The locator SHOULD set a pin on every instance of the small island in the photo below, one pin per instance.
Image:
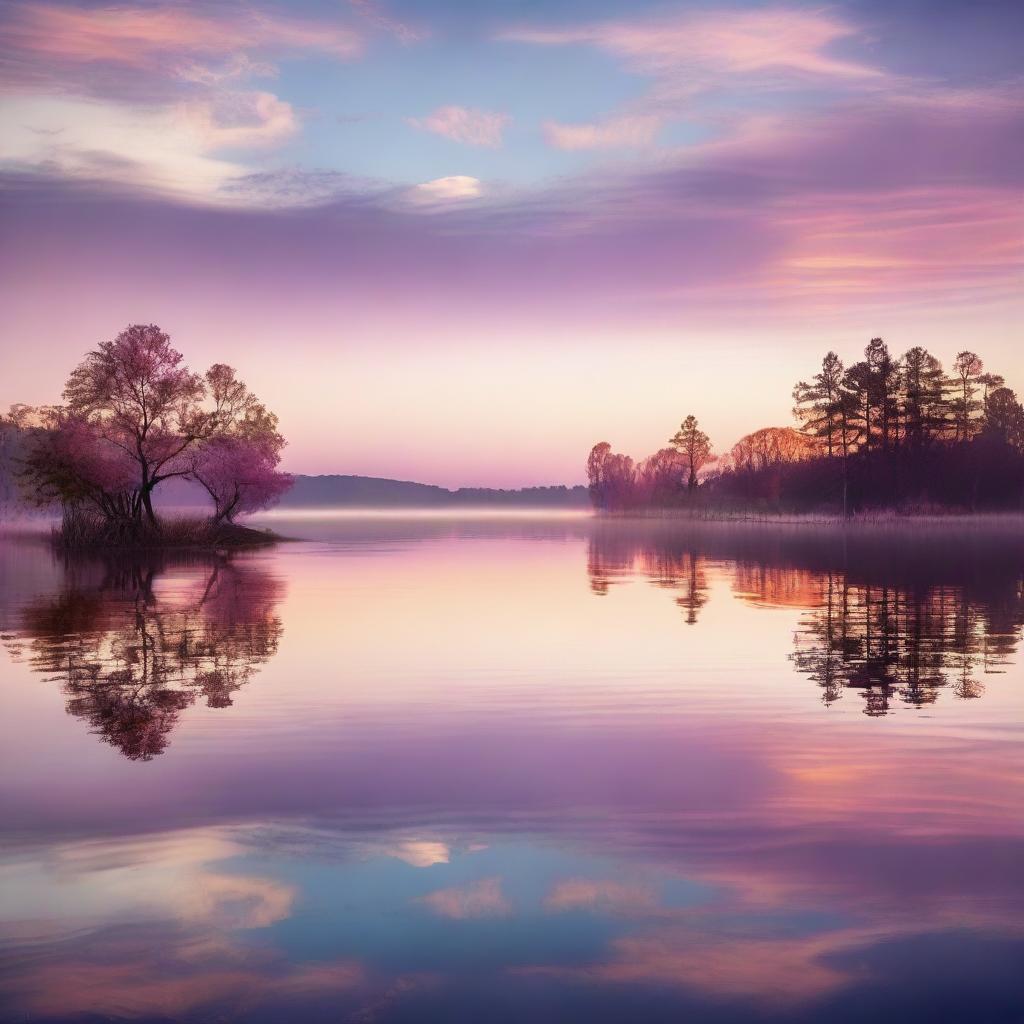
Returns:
(888, 434)
(134, 416)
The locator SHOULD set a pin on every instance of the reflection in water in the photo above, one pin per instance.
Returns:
(892, 619)
(907, 642)
(133, 643)
(468, 789)
(617, 555)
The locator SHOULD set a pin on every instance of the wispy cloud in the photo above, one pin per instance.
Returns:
(627, 131)
(478, 899)
(780, 41)
(171, 149)
(464, 124)
(375, 14)
(443, 190)
(704, 67)
(137, 36)
(151, 96)
(603, 895)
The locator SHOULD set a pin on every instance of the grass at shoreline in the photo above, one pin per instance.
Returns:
(884, 518)
(91, 533)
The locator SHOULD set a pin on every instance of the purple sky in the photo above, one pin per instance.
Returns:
(460, 247)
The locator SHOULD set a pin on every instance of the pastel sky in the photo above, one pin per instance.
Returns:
(461, 242)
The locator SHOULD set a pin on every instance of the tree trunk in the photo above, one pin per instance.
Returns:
(147, 504)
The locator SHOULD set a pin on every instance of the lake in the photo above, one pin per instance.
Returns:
(517, 769)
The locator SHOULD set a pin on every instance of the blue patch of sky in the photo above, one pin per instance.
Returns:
(373, 909)
(966, 42)
(355, 113)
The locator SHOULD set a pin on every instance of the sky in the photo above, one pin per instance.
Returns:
(461, 242)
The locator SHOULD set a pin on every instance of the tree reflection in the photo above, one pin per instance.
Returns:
(906, 643)
(896, 617)
(133, 644)
(614, 557)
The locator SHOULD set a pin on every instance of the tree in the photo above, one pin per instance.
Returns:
(1004, 417)
(660, 477)
(695, 447)
(884, 386)
(770, 446)
(871, 393)
(967, 369)
(135, 394)
(819, 404)
(989, 382)
(240, 474)
(859, 405)
(596, 461)
(237, 465)
(71, 463)
(924, 397)
(135, 416)
(612, 478)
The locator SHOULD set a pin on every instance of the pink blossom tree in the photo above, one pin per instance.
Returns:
(135, 416)
(136, 395)
(240, 474)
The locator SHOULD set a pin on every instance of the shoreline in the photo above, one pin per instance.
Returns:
(187, 535)
(879, 518)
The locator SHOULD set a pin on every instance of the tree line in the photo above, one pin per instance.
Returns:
(134, 416)
(884, 432)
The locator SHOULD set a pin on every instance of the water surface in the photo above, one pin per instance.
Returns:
(517, 770)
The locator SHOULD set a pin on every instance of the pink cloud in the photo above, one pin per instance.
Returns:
(739, 42)
(373, 13)
(205, 973)
(464, 124)
(478, 899)
(619, 132)
(600, 894)
(240, 119)
(444, 190)
(779, 970)
(147, 52)
(134, 36)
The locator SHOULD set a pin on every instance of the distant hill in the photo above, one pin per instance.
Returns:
(374, 492)
(326, 491)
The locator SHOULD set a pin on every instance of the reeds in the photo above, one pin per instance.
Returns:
(81, 529)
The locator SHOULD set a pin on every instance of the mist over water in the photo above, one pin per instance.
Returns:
(517, 768)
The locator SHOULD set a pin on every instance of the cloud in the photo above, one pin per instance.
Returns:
(619, 132)
(707, 66)
(86, 139)
(240, 120)
(598, 894)
(171, 149)
(236, 901)
(478, 899)
(779, 41)
(159, 975)
(375, 15)
(139, 35)
(464, 124)
(234, 67)
(780, 970)
(419, 853)
(879, 207)
(151, 96)
(443, 190)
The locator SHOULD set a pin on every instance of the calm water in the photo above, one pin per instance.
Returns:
(531, 770)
